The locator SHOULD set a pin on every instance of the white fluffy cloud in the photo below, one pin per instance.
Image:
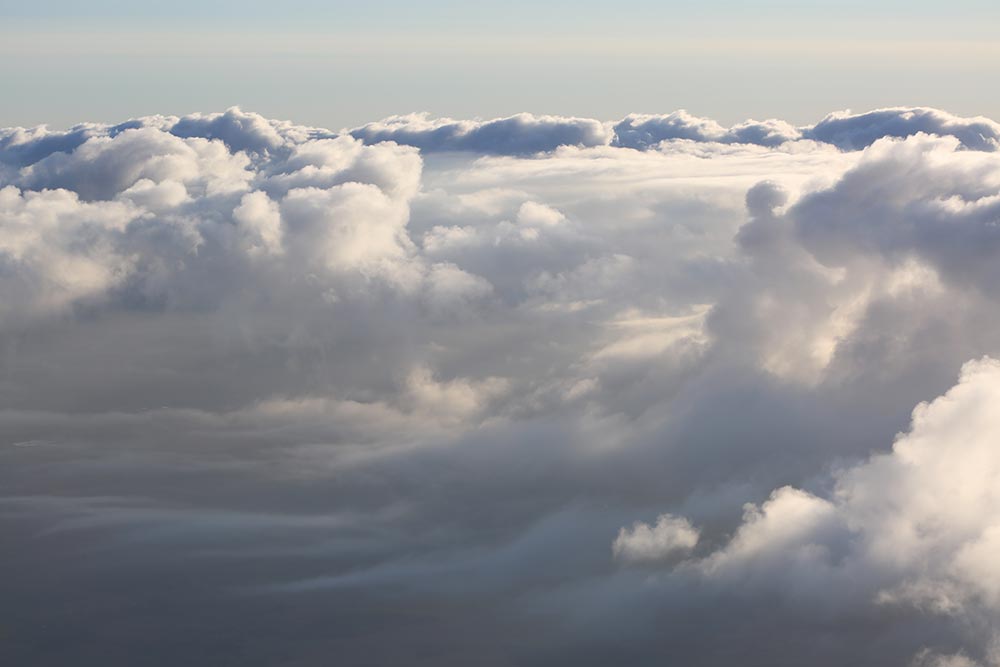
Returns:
(520, 134)
(915, 527)
(642, 542)
(443, 365)
(646, 131)
(525, 134)
(855, 131)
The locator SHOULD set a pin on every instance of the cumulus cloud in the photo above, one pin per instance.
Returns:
(928, 658)
(642, 542)
(526, 134)
(845, 130)
(913, 527)
(415, 379)
(647, 131)
(855, 131)
(520, 134)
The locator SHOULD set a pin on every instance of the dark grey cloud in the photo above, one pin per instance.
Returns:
(270, 395)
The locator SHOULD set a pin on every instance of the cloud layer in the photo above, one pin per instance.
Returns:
(525, 134)
(528, 391)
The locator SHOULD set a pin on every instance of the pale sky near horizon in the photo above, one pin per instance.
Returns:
(338, 64)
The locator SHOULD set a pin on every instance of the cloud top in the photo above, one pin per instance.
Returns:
(523, 134)
(527, 134)
(517, 135)
(849, 131)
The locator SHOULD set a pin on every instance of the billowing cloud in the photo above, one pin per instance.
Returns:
(520, 134)
(512, 382)
(525, 134)
(646, 131)
(845, 130)
(643, 542)
(850, 131)
(915, 527)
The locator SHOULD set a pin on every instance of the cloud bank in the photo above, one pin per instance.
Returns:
(525, 134)
(530, 391)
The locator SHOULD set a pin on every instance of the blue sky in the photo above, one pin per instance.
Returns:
(337, 64)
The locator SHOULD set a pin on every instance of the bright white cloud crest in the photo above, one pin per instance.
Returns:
(919, 522)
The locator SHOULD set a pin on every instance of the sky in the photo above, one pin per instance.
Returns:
(336, 64)
(507, 335)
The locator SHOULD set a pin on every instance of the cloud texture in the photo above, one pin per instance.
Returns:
(528, 391)
(525, 134)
